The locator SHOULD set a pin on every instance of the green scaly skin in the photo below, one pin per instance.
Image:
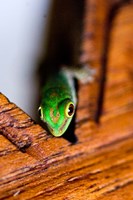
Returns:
(59, 98)
(58, 103)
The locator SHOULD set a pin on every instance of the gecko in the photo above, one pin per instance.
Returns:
(59, 99)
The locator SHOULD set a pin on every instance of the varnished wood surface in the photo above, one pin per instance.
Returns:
(100, 165)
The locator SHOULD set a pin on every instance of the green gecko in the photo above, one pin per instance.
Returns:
(59, 98)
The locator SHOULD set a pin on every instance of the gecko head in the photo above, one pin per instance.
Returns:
(57, 117)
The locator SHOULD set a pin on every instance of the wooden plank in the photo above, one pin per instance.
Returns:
(100, 164)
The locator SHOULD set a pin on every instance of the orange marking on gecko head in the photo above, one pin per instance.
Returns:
(53, 94)
(54, 118)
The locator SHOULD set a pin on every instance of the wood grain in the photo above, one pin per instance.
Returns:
(100, 164)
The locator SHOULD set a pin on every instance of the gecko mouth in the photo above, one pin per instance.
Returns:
(63, 125)
(58, 132)
(50, 129)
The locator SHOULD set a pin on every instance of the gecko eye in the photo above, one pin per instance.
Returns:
(69, 109)
(40, 111)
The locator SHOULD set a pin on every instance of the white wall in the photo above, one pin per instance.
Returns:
(22, 24)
